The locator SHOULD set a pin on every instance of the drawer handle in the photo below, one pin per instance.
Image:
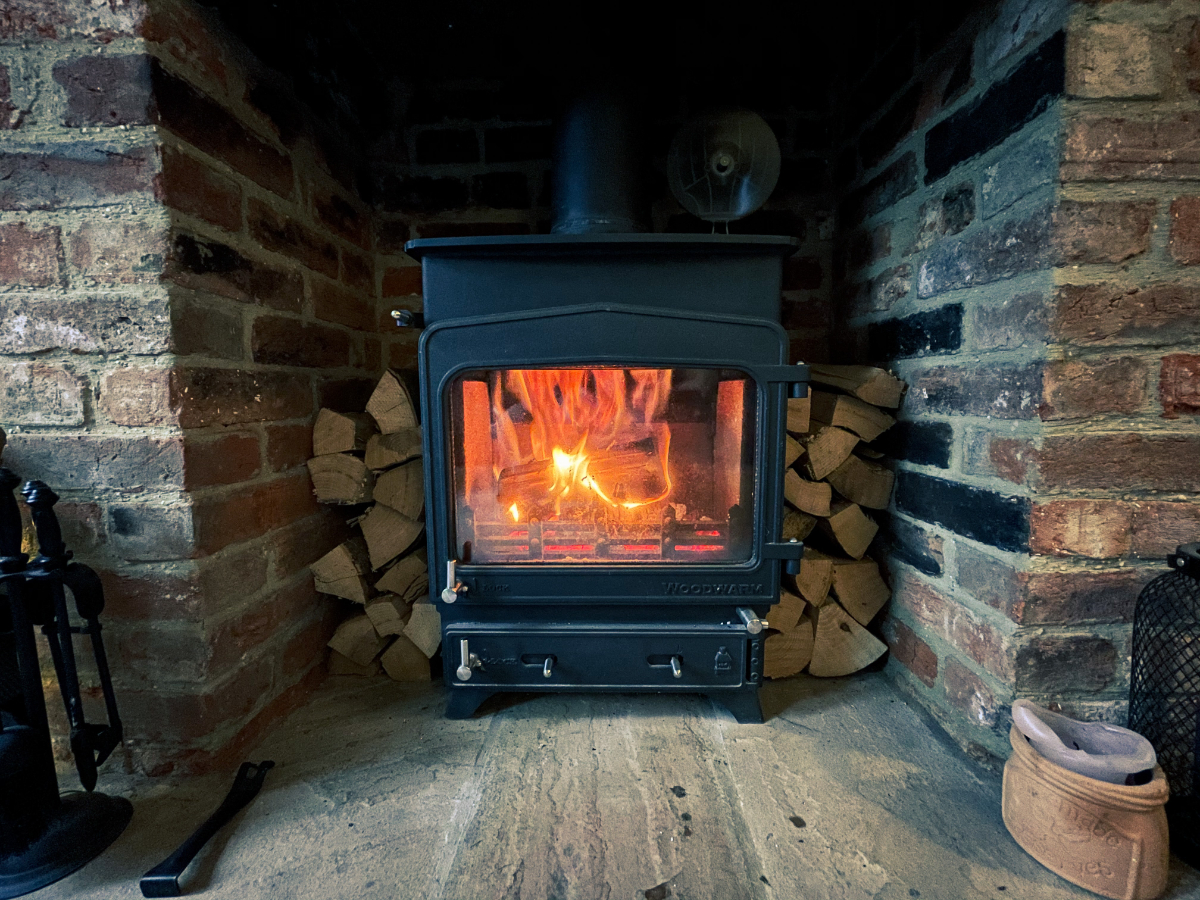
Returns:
(662, 660)
(547, 667)
(468, 661)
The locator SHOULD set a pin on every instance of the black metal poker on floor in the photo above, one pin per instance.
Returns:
(44, 836)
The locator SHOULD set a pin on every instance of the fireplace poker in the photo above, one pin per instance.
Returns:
(163, 879)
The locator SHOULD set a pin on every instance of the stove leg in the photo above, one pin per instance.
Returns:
(743, 704)
(463, 702)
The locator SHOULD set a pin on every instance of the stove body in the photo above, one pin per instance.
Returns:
(603, 434)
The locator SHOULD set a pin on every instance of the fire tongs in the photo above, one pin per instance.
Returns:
(163, 879)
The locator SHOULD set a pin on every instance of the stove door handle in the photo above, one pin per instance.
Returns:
(754, 624)
(453, 586)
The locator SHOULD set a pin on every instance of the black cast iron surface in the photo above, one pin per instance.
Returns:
(633, 301)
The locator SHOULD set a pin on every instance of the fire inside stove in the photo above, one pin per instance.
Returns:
(612, 465)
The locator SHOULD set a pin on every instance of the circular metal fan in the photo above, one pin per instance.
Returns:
(723, 165)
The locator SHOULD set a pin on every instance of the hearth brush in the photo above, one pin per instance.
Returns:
(45, 836)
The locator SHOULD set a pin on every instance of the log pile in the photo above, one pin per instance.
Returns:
(833, 480)
(370, 463)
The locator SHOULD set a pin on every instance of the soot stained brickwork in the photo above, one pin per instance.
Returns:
(1043, 317)
(186, 279)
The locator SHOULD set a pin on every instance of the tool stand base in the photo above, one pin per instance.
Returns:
(79, 831)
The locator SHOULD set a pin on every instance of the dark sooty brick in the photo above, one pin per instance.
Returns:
(447, 145)
(894, 183)
(422, 193)
(518, 144)
(923, 443)
(914, 545)
(924, 334)
(1008, 105)
(985, 516)
(878, 140)
(502, 190)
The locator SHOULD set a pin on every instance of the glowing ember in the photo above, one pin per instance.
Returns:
(699, 548)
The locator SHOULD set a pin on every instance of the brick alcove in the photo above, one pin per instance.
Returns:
(202, 219)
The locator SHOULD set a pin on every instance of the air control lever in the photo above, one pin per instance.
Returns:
(467, 661)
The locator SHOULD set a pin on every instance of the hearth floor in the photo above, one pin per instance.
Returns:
(847, 792)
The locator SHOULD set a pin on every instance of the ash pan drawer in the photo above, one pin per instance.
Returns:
(620, 659)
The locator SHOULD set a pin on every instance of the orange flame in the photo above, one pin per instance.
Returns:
(575, 414)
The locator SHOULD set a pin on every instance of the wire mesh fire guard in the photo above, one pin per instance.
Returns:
(1164, 695)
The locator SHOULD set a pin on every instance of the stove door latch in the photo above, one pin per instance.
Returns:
(791, 552)
(453, 587)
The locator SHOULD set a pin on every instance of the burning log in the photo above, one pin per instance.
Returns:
(631, 473)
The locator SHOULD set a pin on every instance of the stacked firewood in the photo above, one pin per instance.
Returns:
(833, 474)
(371, 463)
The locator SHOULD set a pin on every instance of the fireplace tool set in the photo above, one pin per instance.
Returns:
(45, 836)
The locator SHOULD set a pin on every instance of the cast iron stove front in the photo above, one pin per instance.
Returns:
(635, 560)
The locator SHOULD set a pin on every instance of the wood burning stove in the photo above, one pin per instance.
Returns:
(604, 430)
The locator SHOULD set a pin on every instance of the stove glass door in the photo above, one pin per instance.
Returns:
(603, 465)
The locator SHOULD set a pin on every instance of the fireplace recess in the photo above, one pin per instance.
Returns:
(604, 430)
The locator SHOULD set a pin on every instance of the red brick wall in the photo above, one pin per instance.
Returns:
(1013, 242)
(188, 275)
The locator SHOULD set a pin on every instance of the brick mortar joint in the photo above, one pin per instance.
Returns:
(949, 588)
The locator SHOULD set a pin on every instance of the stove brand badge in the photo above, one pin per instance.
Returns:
(735, 589)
